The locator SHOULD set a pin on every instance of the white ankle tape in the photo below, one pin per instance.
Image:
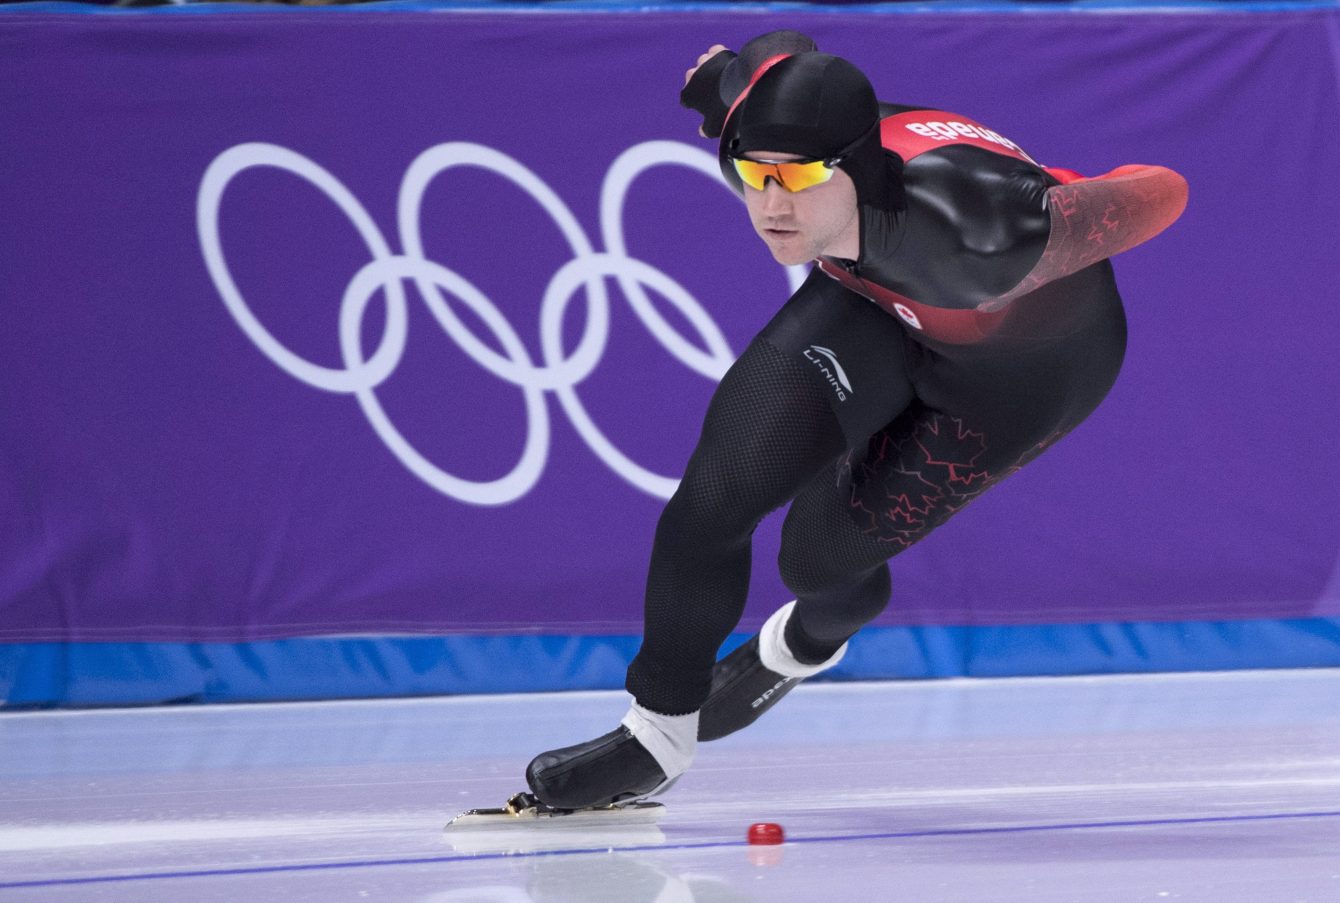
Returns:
(671, 739)
(775, 655)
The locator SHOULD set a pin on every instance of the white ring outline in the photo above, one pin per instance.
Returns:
(523, 477)
(223, 170)
(560, 374)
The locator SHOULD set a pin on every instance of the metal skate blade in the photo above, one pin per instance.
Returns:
(640, 813)
(518, 827)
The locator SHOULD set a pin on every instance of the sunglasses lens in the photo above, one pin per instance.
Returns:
(799, 176)
(753, 174)
(791, 176)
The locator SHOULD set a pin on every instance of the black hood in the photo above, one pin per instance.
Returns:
(818, 106)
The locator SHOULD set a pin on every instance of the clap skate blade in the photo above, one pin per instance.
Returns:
(525, 809)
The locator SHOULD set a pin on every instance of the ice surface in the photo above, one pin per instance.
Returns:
(1222, 788)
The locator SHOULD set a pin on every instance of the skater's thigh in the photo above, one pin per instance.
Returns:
(859, 357)
(823, 546)
(925, 467)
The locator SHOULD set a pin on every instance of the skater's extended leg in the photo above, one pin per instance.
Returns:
(768, 431)
(829, 370)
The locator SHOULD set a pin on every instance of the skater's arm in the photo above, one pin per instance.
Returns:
(1094, 219)
(1004, 219)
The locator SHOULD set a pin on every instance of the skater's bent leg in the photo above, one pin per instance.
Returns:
(841, 582)
(768, 431)
(838, 574)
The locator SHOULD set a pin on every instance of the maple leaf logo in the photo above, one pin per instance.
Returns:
(908, 485)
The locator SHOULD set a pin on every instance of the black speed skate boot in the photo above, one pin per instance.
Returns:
(617, 767)
(609, 769)
(754, 678)
(742, 690)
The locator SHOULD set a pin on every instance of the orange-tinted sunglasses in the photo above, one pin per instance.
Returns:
(793, 175)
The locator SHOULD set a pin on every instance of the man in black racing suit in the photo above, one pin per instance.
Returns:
(961, 317)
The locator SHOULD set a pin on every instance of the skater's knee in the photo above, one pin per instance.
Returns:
(862, 594)
(708, 511)
(836, 593)
(804, 573)
(825, 557)
(822, 621)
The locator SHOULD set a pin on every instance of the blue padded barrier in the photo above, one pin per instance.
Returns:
(87, 674)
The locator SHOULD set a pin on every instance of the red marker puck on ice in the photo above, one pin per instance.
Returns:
(766, 832)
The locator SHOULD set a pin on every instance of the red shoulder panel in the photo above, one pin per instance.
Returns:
(915, 132)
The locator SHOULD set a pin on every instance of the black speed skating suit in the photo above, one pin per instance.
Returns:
(980, 324)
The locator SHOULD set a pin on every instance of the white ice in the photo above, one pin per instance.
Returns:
(1219, 788)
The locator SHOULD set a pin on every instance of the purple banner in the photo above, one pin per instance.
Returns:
(402, 323)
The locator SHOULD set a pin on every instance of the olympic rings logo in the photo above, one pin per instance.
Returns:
(560, 372)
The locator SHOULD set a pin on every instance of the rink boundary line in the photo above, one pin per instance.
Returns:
(651, 848)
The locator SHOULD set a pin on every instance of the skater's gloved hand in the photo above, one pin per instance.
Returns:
(702, 93)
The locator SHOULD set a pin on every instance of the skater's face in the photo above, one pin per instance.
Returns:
(798, 226)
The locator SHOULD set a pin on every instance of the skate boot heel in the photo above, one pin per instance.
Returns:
(612, 769)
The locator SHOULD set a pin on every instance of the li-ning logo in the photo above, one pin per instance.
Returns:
(443, 291)
(828, 365)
